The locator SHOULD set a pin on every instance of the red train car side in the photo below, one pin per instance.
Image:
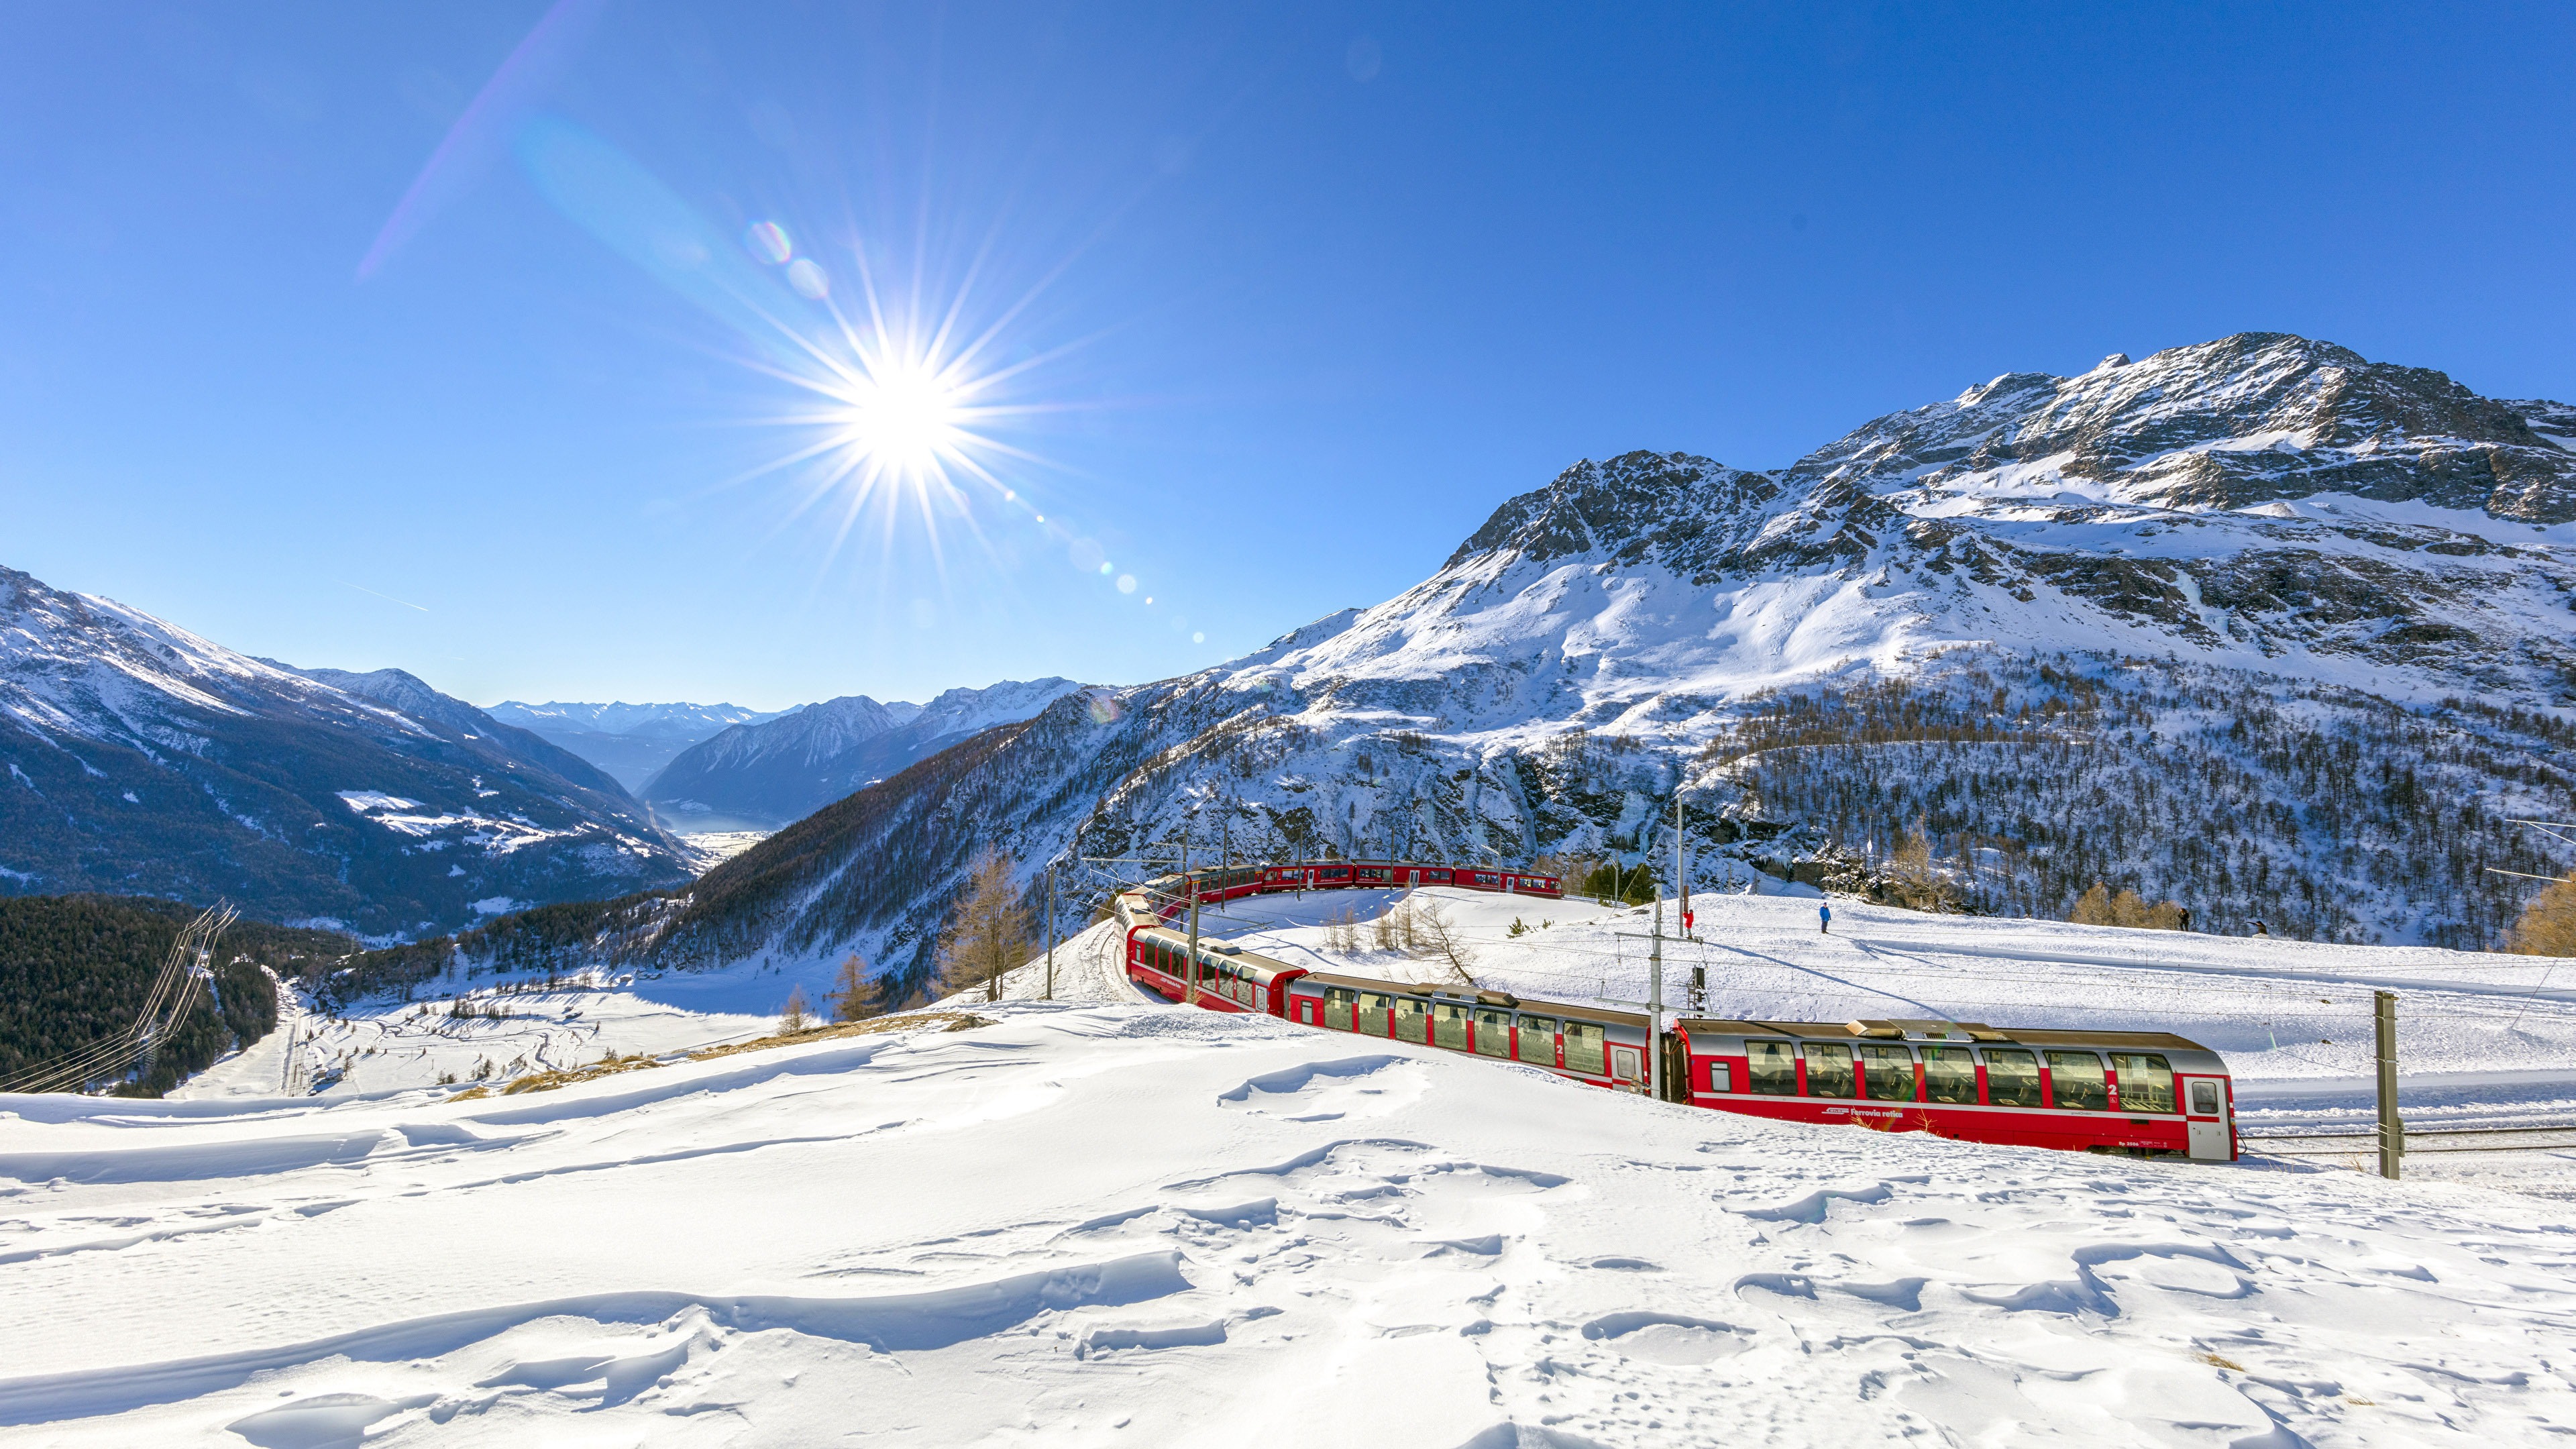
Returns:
(2122, 1091)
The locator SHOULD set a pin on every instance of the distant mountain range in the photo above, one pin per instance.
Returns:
(763, 774)
(2257, 625)
(632, 742)
(141, 759)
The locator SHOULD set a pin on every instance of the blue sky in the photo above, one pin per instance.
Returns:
(1289, 298)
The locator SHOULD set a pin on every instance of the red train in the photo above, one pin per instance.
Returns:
(2146, 1093)
(1230, 882)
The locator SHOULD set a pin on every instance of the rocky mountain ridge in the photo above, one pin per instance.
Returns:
(143, 759)
(632, 742)
(766, 774)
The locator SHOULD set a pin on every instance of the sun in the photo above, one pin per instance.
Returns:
(901, 417)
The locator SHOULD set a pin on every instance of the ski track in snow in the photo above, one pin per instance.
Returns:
(1104, 1221)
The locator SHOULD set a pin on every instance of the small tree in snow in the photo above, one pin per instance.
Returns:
(854, 996)
(1341, 933)
(989, 933)
(2099, 907)
(1384, 933)
(1440, 939)
(2547, 926)
(792, 1019)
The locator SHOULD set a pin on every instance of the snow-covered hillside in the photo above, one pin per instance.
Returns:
(143, 759)
(1160, 1226)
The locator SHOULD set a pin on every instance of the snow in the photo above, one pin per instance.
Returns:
(363, 801)
(1103, 1224)
(494, 836)
(711, 848)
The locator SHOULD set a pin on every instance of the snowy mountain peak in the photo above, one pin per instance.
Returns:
(687, 722)
(2241, 421)
(1624, 508)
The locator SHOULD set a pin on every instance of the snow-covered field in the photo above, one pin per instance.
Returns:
(712, 848)
(1097, 1220)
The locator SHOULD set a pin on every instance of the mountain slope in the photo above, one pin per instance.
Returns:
(142, 759)
(2256, 626)
(768, 773)
(632, 742)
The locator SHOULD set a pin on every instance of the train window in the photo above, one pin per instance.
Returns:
(1372, 1013)
(2204, 1099)
(1538, 1040)
(1411, 1024)
(2012, 1077)
(2076, 1083)
(1774, 1070)
(1583, 1048)
(1338, 1002)
(2146, 1083)
(1449, 1025)
(1829, 1070)
(1949, 1076)
(1886, 1073)
(1493, 1032)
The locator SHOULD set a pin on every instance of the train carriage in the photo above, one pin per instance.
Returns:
(1228, 978)
(1602, 1047)
(2139, 1092)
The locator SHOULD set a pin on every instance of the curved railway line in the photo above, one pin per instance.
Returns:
(2142, 1093)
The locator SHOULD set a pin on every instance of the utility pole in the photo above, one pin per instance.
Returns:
(1654, 1006)
(1681, 859)
(1190, 967)
(2392, 1130)
(1655, 1009)
(1050, 967)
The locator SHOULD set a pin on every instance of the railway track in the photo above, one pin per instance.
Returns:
(2316, 1142)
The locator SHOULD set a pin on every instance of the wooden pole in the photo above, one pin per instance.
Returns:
(2392, 1130)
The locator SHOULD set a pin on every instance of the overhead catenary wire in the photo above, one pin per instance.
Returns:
(172, 995)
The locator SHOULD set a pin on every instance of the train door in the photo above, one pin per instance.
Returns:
(1628, 1067)
(2206, 1119)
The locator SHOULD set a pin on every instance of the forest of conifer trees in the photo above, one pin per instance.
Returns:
(2326, 813)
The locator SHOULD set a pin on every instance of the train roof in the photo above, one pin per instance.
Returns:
(1961, 1031)
(1474, 996)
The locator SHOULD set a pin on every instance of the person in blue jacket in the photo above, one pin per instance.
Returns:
(1825, 919)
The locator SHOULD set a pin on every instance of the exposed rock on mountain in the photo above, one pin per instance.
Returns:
(632, 742)
(2257, 626)
(763, 775)
(141, 759)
